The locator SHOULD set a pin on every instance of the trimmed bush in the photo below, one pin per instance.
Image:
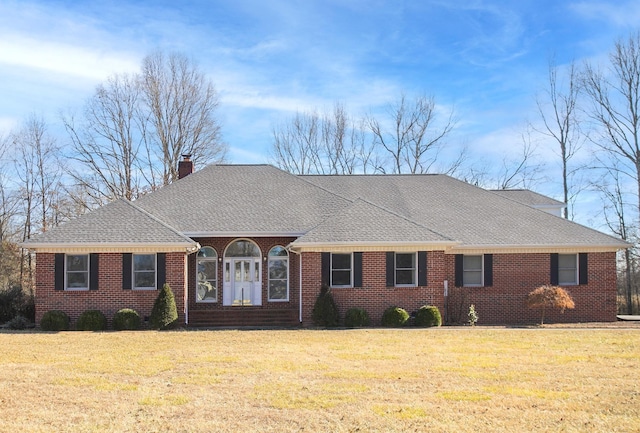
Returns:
(395, 317)
(428, 315)
(325, 311)
(126, 319)
(54, 320)
(164, 314)
(91, 320)
(356, 318)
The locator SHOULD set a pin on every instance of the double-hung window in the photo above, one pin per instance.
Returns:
(472, 274)
(144, 271)
(405, 269)
(341, 270)
(77, 272)
(567, 269)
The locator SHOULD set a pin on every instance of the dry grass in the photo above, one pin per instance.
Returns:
(458, 380)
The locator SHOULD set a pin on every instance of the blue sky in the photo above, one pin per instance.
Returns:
(487, 59)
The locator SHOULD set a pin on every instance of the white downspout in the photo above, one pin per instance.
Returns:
(299, 283)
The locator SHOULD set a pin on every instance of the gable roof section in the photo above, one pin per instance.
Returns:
(478, 219)
(369, 227)
(242, 200)
(119, 226)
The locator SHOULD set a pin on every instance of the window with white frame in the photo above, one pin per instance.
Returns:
(341, 270)
(472, 270)
(144, 271)
(207, 275)
(567, 269)
(405, 269)
(278, 264)
(77, 272)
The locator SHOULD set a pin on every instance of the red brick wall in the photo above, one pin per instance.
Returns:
(514, 276)
(109, 297)
(265, 244)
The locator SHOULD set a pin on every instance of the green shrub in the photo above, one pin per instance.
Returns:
(394, 317)
(91, 320)
(126, 319)
(356, 317)
(11, 301)
(55, 320)
(325, 311)
(428, 315)
(164, 314)
(18, 322)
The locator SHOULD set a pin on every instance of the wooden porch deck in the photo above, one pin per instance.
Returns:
(239, 317)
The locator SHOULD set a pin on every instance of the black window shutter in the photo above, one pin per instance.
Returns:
(488, 270)
(59, 271)
(326, 269)
(93, 271)
(554, 269)
(357, 269)
(126, 271)
(583, 266)
(161, 272)
(459, 270)
(422, 268)
(391, 269)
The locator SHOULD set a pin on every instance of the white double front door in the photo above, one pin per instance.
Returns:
(242, 281)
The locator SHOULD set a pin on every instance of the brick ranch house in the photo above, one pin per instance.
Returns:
(252, 245)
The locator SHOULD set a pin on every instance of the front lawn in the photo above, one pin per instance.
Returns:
(373, 380)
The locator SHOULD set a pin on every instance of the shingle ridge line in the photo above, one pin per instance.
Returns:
(156, 219)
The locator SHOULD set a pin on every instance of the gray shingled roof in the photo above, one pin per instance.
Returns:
(261, 200)
(471, 215)
(117, 223)
(242, 199)
(363, 222)
(528, 197)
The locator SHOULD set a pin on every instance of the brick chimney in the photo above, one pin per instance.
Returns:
(185, 167)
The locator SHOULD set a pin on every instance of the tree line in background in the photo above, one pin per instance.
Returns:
(129, 137)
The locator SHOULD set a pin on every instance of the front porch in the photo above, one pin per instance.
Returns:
(244, 317)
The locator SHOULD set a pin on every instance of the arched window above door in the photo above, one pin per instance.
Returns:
(242, 248)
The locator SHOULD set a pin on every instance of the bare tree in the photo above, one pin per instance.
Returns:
(615, 108)
(329, 143)
(181, 104)
(296, 145)
(108, 141)
(524, 170)
(559, 113)
(411, 138)
(615, 205)
(38, 171)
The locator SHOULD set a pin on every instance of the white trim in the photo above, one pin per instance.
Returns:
(214, 234)
(66, 274)
(576, 275)
(415, 269)
(481, 270)
(269, 259)
(155, 272)
(76, 248)
(350, 271)
(525, 249)
(402, 247)
(217, 262)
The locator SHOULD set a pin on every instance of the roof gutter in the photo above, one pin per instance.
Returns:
(116, 247)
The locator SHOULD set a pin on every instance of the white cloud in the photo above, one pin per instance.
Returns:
(62, 58)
